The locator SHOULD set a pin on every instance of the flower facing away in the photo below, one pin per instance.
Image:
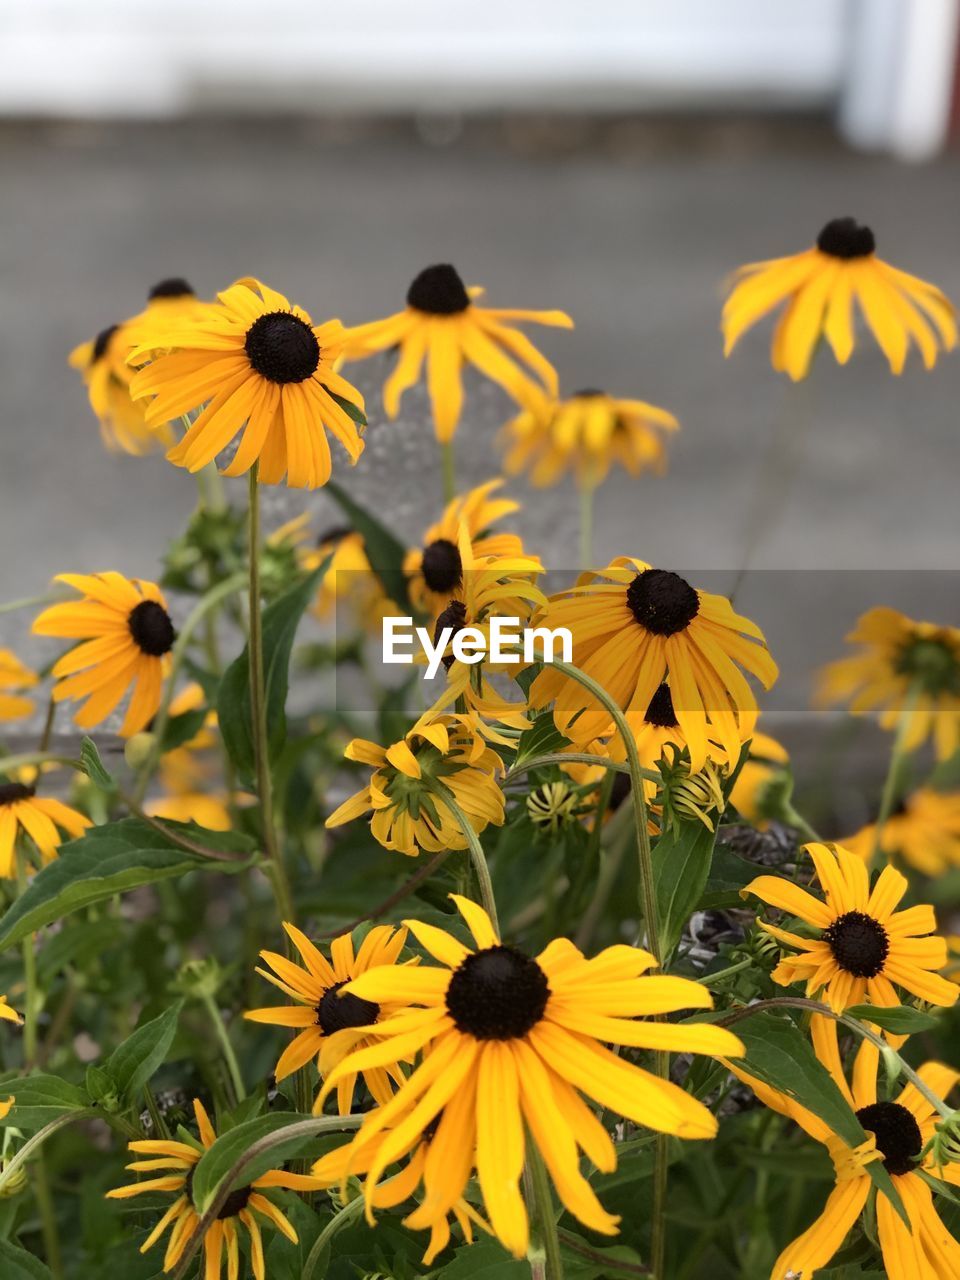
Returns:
(760, 780)
(322, 1006)
(586, 433)
(405, 794)
(39, 817)
(15, 677)
(175, 1163)
(435, 570)
(902, 666)
(864, 947)
(821, 286)
(258, 365)
(127, 634)
(924, 831)
(443, 325)
(898, 1131)
(507, 1041)
(633, 627)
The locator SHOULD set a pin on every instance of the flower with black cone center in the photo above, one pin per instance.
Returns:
(282, 348)
(174, 287)
(662, 602)
(234, 1203)
(930, 663)
(497, 994)
(151, 628)
(660, 711)
(439, 291)
(619, 791)
(11, 792)
(336, 533)
(897, 1133)
(859, 943)
(442, 567)
(101, 342)
(335, 1011)
(845, 238)
(455, 616)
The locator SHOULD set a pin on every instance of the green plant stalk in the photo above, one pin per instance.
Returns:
(572, 757)
(711, 979)
(892, 780)
(32, 997)
(544, 1253)
(342, 1218)
(216, 1018)
(478, 858)
(48, 1219)
(258, 709)
(448, 468)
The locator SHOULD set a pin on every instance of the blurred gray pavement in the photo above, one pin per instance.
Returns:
(632, 228)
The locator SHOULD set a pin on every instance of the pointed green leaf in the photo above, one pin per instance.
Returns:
(132, 1063)
(385, 553)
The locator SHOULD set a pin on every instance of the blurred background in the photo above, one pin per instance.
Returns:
(616, 160)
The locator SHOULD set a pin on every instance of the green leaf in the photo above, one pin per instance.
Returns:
(349, 408)
(230, 1146)
(681, 866)
(94, 767)
(729, 873)
(183, 728)
(132, 1064)
(541, 739)
(902, 1020)
(484, 1261)
(113, 859)
(17, 1264)
(385, 553)
(280, 622)
(40, 1099)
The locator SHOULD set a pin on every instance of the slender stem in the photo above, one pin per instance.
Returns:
(711, 979)
(478, 858)
(799, 823)
(32, 996)
(572, 757)
(39, 1138)
(587, 490)
(28, 602)
(613, 1265)
(342, 1218)
(387, 904)
(48, 725)
(216, 1018)
(258, 710)
(544, 1256)
(449, 470)
(48, 1218)
(892, 782)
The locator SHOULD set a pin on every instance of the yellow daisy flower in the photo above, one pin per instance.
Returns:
(443, 326)
(408, 814)
(822, 285)
(864, 947)
(14, 678)
(765, 765)
(924, 831)
(39, 817)
(128, 635)
(245, 1206)
(507, 1041)
(634, 627)
(901, 661)
(898, 1130)
(322, 1008)
(586, 433)
(259, 365)
(188, 776)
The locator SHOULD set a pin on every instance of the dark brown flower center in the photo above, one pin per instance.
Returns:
(455, 616)
(174, 287)
(897, 1133)
(442, 567)
(282, 348)
(234, 1203)
(660, 711)
(336, 1011)
(845, 238)
(859, 943)
(497, 994)
(439, 291)
(336, 533)
(11, 792)
(662, 602)
(587, 393)
(151, 628)
(101, 342)
(619, 791)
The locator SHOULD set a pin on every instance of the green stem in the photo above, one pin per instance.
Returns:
(449, 470)
(892, 781)
(28, 602)
(216, 1017)
(544, 1255)
(711, 979)
(478, 858)
(32, 996)
(342, 1218)
(572, 757)
(587, 491)
(799, 823)
(48, 1219)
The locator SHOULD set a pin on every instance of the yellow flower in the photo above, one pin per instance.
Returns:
(898, 1130)
(244, 1207)
(10, 1015)
(443, 326)
(765, 764)
(405, 793)
(128, 636)
(586, 433)
(924, 831)
(509, 1041)
(822, 285)
(864, 948)
(322, 1008)
(39, 817)
(634, 627)
(259, 365)
(14, 678)
(901, 662)
(188, 778)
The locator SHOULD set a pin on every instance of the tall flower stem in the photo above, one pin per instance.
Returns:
(32, 994)
(478, 858)
(448, 468)
(233, 1066)
(544, 1254)
(258, 709)
(892, 782)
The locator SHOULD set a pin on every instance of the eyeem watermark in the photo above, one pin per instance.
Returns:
(508, 642)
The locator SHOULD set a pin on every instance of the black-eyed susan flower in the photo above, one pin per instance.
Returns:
(435, 570)
(321, 1005)
(924, 830)
(127, 633)
(898, 1131)
(405, 793)
(633, 627)
(822, 285)
(175, 1163)
(586, 434)
(41, 818)
(9, 1014)
(759, 780)
(902, 666)
(102, 364)
(509, 1040)
(15, 678)
(258, 365)
(862, 948)
(443, 325)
